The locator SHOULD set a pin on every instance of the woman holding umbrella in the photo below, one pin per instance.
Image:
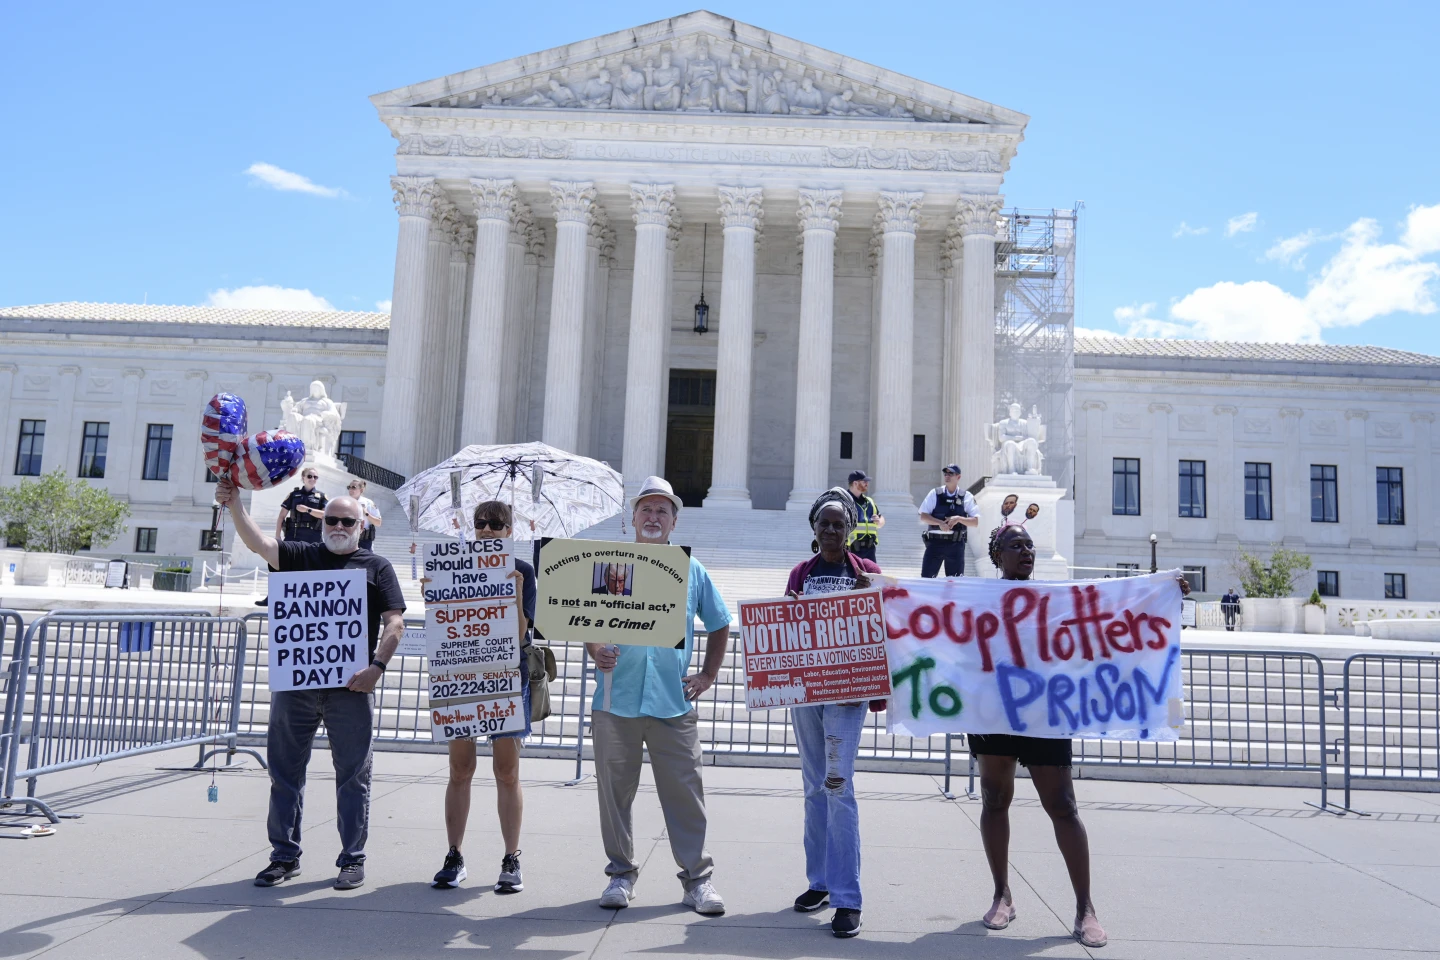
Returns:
(493, 519)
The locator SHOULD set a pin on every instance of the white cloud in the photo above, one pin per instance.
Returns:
(1422, 230)
(382, 305)
(1241, 224)
(267, 298)
(1291, 250)
(280, 179)
(1185, 230)
(1090, 332)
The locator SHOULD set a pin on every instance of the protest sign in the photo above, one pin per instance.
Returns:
(1096, 658)
(822, 649)
(318, 628)
(479, 718)
(593, 591)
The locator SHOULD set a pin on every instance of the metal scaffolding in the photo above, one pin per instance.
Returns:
(1035, 327)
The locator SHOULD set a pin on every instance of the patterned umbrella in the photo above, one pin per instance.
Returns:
(560, 493)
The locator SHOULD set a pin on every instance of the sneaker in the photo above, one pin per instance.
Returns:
(705, 899)
(352, 875)
(618, 894)
(510, 879)
(811, 900)
(452, 872)
(845, 923)
(278, 872)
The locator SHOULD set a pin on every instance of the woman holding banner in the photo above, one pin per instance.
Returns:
(1049, 761)
(493, 520)
(832, 817)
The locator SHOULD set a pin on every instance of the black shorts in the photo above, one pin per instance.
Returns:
(1030, 751)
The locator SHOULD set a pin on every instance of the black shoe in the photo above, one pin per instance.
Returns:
(511, 880)
(845, 923)
(263, 602)
(811, 900)
(452, 872)
(352, 875)
(278, 872)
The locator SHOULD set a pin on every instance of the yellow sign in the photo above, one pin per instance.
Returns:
(595, 591)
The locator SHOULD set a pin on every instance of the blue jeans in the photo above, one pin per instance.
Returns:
(349, 720)
(829, 736)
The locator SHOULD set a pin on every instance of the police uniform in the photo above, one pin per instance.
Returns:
(304, 527)
(866, 536)
(946, 546)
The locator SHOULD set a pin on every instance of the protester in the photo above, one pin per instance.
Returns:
(828, 734)
(1049, 761)
(347, 712)
(368, 510)
(866, 537)
(649, 705)
(947, 511)
(301, 510)
(1230, 607)
(493, 519)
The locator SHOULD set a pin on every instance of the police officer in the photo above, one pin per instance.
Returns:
(947, 511)
(302, 511)
(866, 536)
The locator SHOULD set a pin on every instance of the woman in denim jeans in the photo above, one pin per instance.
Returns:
(829, 734)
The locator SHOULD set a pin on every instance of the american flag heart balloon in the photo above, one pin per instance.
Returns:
(222, 427)
(268, 458)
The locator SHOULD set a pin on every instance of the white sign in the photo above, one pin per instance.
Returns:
(318, 628)
(482, 718)
(115, 574)
(412, 643)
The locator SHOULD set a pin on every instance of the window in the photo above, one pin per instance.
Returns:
(847, 445)
(1257, 492)
(352, 444)
(1389, 496)
(92, 450)
(1324, 495)
(32, 448)
(1196, 576)
(1127, 569)
(1328, 582)
(210, 476)
(1394, 586)
(917, 448)
(1125, 499)
(145, 538)
(1192, 488)
(157, 451)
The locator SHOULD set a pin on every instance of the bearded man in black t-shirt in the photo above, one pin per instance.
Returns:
(347, 712)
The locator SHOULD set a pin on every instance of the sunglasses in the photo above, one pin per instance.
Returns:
(346, 522)
(492, 524)
(311, 476)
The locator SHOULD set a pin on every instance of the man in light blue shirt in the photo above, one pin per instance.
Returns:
(645, 700)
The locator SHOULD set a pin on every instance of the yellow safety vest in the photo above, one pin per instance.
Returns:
(868, 511)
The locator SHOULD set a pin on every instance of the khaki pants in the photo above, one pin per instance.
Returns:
(674, 745)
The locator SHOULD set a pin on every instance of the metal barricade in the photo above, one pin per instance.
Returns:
(95, 687)
(1391, 705)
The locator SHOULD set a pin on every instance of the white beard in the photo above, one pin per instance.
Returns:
(343, 541)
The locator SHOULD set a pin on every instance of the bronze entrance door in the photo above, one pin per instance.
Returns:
(690, 433)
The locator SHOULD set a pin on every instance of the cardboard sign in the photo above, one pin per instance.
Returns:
(318, 628)
(828, 648)
(481, 718)
(593, 591)
(1096, 658)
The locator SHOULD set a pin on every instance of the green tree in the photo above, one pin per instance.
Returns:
(56, 514)
(1274, 577)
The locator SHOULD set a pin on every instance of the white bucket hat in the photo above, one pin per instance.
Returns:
(656, 487)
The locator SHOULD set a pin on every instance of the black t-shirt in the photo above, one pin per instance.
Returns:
(827, 577)
(382, 587)
(527, 590)
(298, 497)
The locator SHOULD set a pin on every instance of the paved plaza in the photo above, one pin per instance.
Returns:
(1181, 871)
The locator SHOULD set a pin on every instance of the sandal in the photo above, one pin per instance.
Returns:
(1000, 915)
(1089, 932)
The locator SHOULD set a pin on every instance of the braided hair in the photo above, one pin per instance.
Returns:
(995, 536)
(840, 497)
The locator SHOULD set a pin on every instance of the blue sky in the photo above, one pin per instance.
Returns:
(1249, 171)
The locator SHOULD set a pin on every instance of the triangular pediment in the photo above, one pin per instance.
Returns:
(699, 63)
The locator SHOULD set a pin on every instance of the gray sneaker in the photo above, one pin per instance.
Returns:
(352, 875)
(510, 879)
(705, 899)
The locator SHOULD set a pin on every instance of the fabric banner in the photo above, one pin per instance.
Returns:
(318, 628)
(1095, 658)
(593, 591)
(820, 649)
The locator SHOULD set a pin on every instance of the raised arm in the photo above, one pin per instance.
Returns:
(267, 548)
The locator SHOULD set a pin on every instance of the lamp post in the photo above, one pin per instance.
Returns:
(1153, 540)
(702, 309)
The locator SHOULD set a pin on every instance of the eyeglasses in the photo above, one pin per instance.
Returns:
(311, 476)
(346, 522)
(492, 524)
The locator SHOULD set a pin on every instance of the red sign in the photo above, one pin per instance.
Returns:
(821, 649)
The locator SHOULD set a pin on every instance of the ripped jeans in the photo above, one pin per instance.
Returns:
(829, 736)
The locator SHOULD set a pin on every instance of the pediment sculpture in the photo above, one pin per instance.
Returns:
(1015, 444)
(316, 420)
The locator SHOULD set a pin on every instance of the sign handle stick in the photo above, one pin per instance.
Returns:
(609, 678)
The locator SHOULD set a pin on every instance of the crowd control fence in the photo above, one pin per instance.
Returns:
(87, 688)
(1391, 706)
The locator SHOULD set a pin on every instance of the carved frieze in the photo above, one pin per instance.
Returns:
(1389, 430)
(1192, 422)
(1257, 426)
(1323, 428)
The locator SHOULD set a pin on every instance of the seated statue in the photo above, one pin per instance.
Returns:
(597, 92)
(738, 90)
(662, 84)
(807, 101)
(629, 93)
(772, 93)
(701, 76)
(315, 420)
(1015, 443)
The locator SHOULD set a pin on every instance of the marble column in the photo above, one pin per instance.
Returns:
(529, 305)
(60, 451)
(573, 203)
(1164, 479)
(1226, 488)
(1360, 516)
(653, 206)
(494, 216)
(1099, 497)
(434, 340)
(1420, 497)
(896, 351)
(7, 387)
(952, 268)
(819, 215)
(876, 259)
(187, 469)
(1295, 490)
(596, 278)
(462, 253)
(973, 360)
(515, 330)
(415, 201)
(662, 397)
(740, 213)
